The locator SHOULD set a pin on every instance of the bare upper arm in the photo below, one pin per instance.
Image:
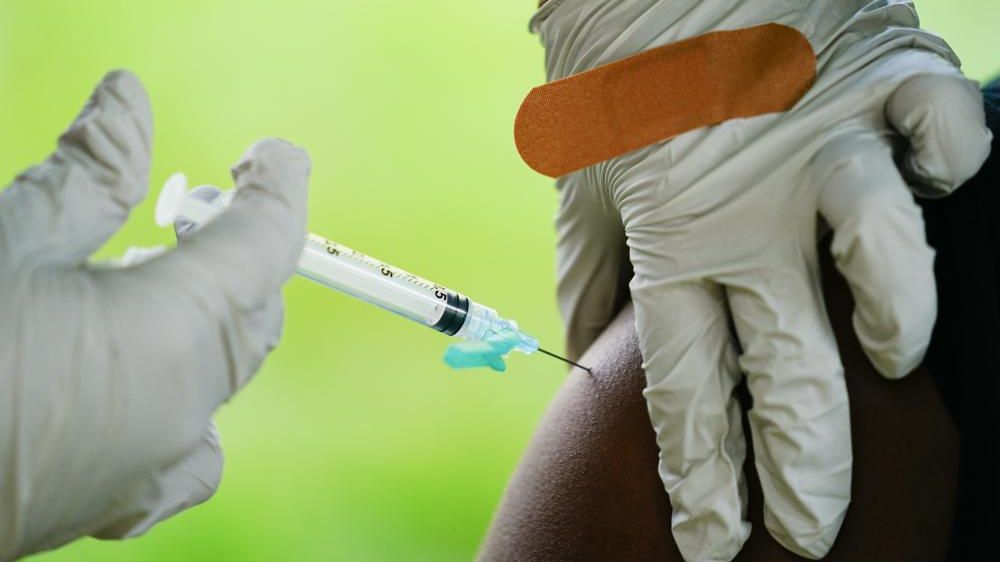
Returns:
(588, 489)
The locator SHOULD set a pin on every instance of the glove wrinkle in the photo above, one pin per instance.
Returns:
(109, 437)
(737, 206)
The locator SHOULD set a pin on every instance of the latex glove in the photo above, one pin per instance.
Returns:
(720, 226)
(110, 376)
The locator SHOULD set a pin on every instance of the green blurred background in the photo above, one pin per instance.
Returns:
(355, 442)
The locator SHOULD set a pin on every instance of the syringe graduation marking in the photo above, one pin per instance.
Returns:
(385, 269)
(414, 298)
(454, 306)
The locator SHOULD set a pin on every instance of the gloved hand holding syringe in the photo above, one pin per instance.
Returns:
(489, 337)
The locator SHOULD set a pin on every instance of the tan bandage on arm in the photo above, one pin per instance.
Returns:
(593, 116)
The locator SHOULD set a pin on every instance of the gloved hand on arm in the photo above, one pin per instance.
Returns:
(720, 225)
(109, 376)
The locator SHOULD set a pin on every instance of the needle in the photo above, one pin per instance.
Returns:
(563, 359)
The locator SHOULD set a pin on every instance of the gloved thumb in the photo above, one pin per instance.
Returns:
(224, 279)
(248, 251)
(267, 320)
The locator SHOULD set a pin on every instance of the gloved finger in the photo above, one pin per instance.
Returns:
(214, 302)
(263, 328)
(943, 119)
(691, 372)
(64, 209)
(593, 270)
(246, 254)
(880, 247)
(265, 322)
(190, 481)
(800, 420)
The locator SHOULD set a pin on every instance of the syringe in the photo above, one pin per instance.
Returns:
(358, 275)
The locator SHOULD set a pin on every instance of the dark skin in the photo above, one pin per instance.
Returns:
(588, 489)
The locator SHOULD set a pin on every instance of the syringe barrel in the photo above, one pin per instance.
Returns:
(340, 268)
(351, 272)
(348, 271)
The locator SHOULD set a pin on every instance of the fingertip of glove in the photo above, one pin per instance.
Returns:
(896, 368)
(125, 83)
(119, 98)
(276, 162)
(897, 354)
(128, 90)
